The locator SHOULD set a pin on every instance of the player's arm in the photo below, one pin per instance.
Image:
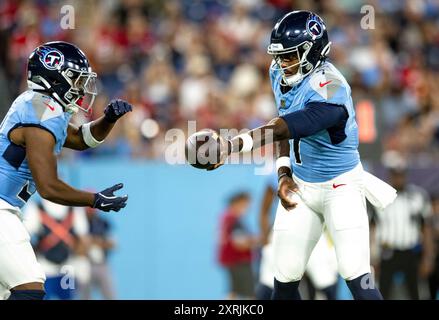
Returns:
(92, 134)
(316, 116)
(43, 165)
(286, 183)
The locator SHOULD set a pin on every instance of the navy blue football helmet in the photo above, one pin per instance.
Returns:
(61, 70)
(298, 36)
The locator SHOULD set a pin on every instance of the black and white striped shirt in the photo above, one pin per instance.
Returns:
(399, 225)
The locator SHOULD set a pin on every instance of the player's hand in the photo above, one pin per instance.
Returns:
(224, 146)
(286, 189)
(221, 147)
(107, 201)
(116, 109)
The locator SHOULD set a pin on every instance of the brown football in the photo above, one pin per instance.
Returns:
(203, 149)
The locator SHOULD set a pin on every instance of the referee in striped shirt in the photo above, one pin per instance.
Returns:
(403, 235)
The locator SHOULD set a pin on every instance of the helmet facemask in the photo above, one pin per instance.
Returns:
(284, 56)
(298, 53)
(82, 92)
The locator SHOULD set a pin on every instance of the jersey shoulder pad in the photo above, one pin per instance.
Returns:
(43, 108)
(327, 84)
(40, 110)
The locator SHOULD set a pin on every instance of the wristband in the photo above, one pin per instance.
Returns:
(283, 162)
(87, 136)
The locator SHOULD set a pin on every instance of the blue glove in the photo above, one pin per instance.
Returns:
(106, 200)
(116, 109)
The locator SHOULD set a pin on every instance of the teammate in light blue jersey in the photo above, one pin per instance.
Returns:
(30, 109)
(321, 180)
(32, 133)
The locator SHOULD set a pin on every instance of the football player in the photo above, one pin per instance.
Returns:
(323, 183)
(36, 128)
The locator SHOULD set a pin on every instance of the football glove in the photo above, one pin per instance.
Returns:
(107, 201)
(116, 109)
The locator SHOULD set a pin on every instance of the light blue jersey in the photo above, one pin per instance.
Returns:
(320, 157)
(29, 109)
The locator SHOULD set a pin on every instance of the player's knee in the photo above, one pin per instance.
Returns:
(353, 262)
(289, 272)
(351, 268)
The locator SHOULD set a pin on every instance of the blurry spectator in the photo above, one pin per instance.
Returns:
(98, 250)
(235, 247)
(433, 280)
(402, 232)
(58, 234)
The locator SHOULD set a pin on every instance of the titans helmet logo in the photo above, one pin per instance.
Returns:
(51, 58)
(314, 27)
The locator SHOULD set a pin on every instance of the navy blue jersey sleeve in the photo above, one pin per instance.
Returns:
(316, 116)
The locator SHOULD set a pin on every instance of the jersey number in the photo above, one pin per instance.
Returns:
(296, 147)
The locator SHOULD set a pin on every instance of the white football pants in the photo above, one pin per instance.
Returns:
(340, 205)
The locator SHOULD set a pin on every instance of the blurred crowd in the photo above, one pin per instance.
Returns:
(206, 61)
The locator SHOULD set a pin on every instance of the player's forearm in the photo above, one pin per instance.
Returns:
(59, 192)
(283, 163)
(95, 132)
(275, 130)
(90, 135)
(100, 128)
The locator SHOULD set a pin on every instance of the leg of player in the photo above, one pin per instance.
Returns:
(322, 268)
(20, 273)
(295, 233)
(346, 218)
(330, 292)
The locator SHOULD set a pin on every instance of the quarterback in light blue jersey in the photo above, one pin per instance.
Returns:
(321, 179)
(33, 132)
(328, 153)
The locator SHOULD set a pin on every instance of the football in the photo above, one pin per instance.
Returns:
(205, 149)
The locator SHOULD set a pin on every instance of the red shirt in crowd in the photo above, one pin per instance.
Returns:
(229, 254)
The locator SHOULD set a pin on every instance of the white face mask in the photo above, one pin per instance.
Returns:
(285, 57)
(83, 91)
